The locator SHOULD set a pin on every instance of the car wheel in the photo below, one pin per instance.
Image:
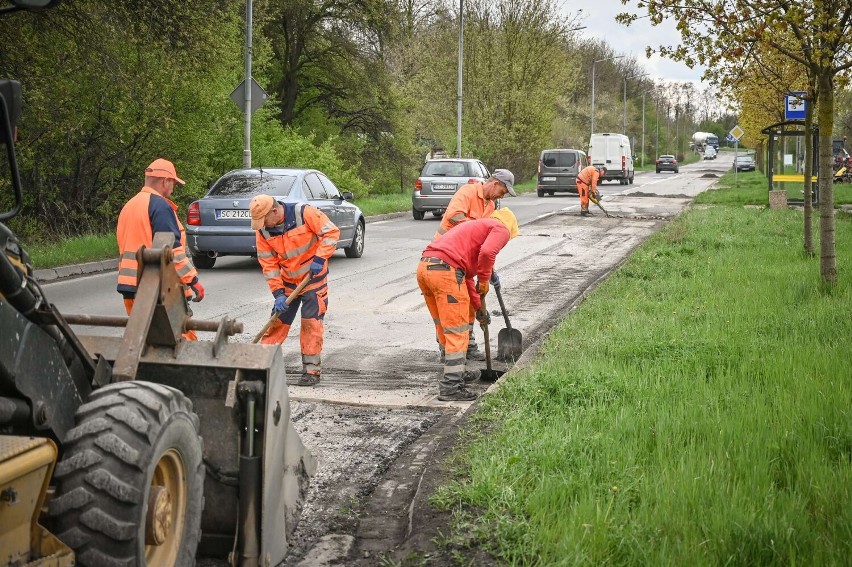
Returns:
(130, 485)
(631, 180)
(356, 249)
(203, 261)
(418, 215)
(658, 171)
(677, 170)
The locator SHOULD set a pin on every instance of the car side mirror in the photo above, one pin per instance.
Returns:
(347, 196)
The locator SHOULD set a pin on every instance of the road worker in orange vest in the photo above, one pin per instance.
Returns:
(475, 201)
(295, 240)
(445, 276)
(150, 211)
(587, 183)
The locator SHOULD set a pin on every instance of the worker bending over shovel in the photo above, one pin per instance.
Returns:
(587, 184)
(446, 277)
(294, 241)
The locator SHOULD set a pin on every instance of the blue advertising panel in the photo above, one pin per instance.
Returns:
(794, 105)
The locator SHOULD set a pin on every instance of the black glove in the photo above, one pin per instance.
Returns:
(483, 316)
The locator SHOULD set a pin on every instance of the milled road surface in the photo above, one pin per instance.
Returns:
(374, 420)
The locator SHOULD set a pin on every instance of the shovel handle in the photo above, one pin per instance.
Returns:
(289, 300)
(503, 307)
(487, 339)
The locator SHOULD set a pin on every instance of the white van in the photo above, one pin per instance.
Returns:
(613, 152)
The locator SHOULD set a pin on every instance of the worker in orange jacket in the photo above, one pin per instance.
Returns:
(295, 240)
(150, 211)
(445, 276)
(587, 183)
(475, 201)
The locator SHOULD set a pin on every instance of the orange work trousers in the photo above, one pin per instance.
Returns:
(313, 304)
(188, 335)
(583, 190)
(445, 292)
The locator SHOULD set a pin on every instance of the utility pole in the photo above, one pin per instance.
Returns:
(461, 64)
(593, 85)
(247, 91)
(624, 127)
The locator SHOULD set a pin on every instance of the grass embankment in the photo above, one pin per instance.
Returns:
(95, 247)
(696, 409)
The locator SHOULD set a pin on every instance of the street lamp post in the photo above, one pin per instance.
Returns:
(624, 127)
(643, 127)
(461, 63)
(593, 85)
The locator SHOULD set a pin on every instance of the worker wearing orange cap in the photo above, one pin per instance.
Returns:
(475, 201)
(445, 276)
(587, 183)
(150, 211)
(295, 240)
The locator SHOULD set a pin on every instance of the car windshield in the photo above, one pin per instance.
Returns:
(559, 159)
(744, 159)
(242, 185)
(445, 169)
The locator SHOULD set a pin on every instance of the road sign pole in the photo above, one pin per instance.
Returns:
(247, 84)
(736, 169)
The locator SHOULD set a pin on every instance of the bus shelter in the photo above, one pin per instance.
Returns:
(786, 160)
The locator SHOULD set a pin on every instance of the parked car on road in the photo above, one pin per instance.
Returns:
(558, 169)
(439, 181)
(710, 152)
(219, 224)
(744, 163)
(667, 163)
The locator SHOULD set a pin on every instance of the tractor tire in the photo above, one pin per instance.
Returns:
(203, 261)
(130, 486)
(356, 249)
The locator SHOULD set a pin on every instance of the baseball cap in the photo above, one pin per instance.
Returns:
(259, 207)
(508, 179)
(163, 168)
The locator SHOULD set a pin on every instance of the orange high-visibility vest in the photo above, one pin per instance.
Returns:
(285, 252)
(143, 215)
(589, 176)
(469, 203)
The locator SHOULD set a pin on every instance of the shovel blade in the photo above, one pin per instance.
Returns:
(509, 344)
(487, 375)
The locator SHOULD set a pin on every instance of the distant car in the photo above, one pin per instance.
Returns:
(219, 224)
(710, 153)
(439, 181)
(667, 163)
(744, 163)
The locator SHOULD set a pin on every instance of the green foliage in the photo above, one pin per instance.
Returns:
(699, 429)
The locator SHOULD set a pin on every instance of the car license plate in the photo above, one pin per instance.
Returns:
(443, 186)
(548, 179)
(222, 214)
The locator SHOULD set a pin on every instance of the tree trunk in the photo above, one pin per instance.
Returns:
(827, 254)
(809, 169)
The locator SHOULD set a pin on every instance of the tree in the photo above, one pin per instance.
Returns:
(720, 34)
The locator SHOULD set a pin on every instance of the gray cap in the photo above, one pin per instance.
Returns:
(508, 179)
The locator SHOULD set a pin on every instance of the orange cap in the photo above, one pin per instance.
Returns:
(163, 168)
(259, 207)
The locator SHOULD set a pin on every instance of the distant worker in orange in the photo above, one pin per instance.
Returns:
(295, 240)
(150, 211)
(445, 276)
(475, 201)
(587, 183)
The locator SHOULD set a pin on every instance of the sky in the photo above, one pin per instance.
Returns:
(600, 23)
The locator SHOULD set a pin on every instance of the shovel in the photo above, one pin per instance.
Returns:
(289, 300)
(509, 340)
(487, 374)
(598, 203)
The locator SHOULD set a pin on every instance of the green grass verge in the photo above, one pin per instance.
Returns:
(696, 409)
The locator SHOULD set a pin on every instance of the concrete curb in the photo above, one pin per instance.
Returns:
(48, 275)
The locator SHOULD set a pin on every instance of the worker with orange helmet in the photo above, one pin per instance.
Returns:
(295, 240)
(446, 278)
(148, 212)
(587, 183)
(475, 201)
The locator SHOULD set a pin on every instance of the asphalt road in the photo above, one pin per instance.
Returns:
(380, 360)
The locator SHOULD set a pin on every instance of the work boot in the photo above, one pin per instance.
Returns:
(460, 395)
(308, 379)
(473, 353)
(470, 376)
(585, 214)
